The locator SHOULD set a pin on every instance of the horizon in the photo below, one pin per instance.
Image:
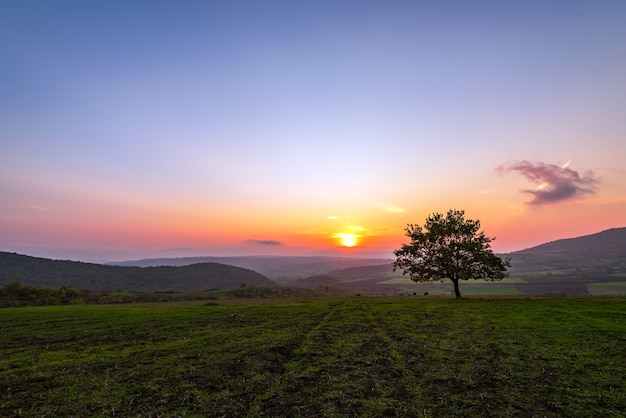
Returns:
(336, 252)
(139, 130)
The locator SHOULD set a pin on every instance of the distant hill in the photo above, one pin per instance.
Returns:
(363, 272)
(35, 271)
(590, 264)
(606, 245)
(314, 281)
(358, 279)
(274, 267)
(601, 253)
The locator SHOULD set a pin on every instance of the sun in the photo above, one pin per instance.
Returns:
(347, 240)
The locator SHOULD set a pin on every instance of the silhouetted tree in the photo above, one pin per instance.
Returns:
(449, 247)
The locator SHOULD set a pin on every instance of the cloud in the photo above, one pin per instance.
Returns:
(390, 207)
(356, 228)
(264, 242)
(554, 183)
(37, 207)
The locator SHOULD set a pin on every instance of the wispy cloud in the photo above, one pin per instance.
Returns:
(264, 242)
(390, 207)
(357, 228)
(336, 217)
(37, 207)
(554, 183)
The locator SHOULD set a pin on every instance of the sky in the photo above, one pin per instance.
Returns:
(133, 129)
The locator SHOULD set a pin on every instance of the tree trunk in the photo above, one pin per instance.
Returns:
(457, 293)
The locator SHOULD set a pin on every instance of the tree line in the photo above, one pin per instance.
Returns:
(16, 295)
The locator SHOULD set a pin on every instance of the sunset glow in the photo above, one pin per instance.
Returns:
(347, 240)
(134, 129)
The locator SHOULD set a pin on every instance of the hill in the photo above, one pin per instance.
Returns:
(590, 264)
(598, 254)
(605, 245)
(274, 267)
(35, 271)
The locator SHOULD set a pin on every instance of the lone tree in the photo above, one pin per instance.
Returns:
(449, 247)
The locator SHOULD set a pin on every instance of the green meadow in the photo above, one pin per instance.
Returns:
(334, 357)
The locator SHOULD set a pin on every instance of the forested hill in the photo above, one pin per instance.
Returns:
(594, 257)
(608, 245)
(35, 271)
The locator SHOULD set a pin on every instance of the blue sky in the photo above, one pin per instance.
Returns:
(211, 125)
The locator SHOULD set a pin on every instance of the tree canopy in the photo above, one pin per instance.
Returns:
(449, 247)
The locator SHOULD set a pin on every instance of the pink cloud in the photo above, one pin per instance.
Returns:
(554, 183)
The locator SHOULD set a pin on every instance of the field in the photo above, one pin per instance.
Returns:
(356, 356)
(552, 283)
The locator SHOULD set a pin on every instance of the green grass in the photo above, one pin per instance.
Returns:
(607, 288)
(342, 357)
(505, 287)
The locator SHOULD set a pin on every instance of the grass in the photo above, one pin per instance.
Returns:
(338, 357)
(607, 288)
(486, 288)
(506, 280)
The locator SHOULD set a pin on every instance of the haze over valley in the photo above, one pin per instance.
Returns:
(593, 264)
